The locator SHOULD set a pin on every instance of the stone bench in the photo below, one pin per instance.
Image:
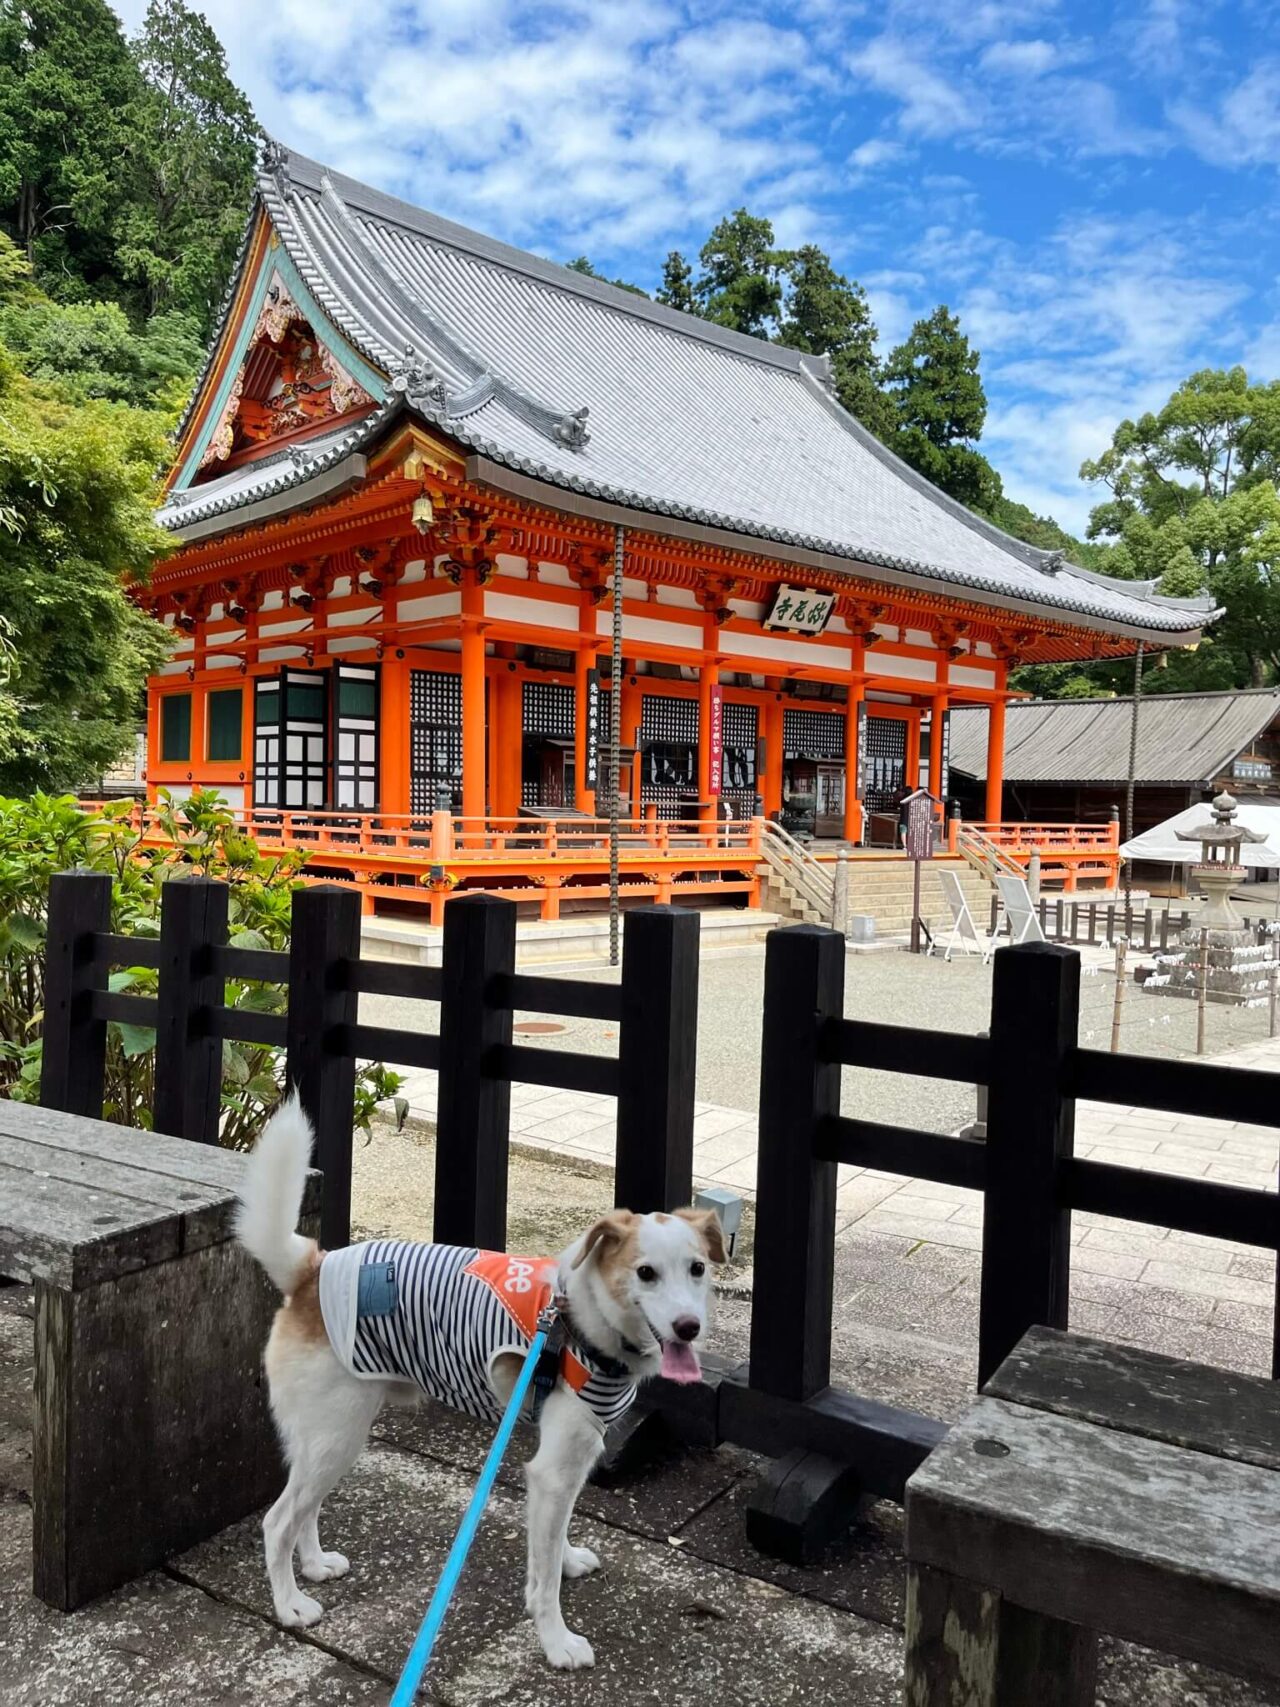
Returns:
(151, 1424)
(1093, 1488)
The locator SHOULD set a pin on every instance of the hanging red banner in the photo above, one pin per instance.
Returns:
(715, 736)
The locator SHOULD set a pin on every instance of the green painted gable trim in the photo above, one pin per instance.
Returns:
(275, 260)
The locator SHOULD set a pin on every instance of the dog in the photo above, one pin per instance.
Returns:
(385, 1320)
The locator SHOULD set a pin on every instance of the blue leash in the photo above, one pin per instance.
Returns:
(420, 1653)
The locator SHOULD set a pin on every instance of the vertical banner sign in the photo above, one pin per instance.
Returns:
(592, 778)
(944, 785)
(715, 736)
(861, 780)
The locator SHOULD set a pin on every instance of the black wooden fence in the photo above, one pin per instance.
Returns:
(782, 1400)
(655, 1007)
(1030, 1179)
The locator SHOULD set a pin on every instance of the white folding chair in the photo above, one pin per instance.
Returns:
(964, 933)
(1019, 910)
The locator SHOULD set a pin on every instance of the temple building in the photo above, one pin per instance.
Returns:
(413, 465)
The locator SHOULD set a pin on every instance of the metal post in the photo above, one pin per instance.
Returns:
(1202, 992)
(615, 733)
(840, 894)
(1118, 1007)
(1128, 789)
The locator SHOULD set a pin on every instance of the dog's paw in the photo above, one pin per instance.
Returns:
(578, 1561)
(299, 1612)
(324, 1568)
(568, 1652)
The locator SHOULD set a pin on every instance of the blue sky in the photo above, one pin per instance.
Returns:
(1092, 188)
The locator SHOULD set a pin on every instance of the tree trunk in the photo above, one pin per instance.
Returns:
(1257, 671)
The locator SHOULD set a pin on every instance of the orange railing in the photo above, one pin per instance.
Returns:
(424, 857)
(1067, 852)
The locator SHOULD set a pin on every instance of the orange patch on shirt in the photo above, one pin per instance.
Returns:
(524, 1286)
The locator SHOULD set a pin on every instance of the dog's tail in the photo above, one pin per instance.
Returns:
(275, 1178)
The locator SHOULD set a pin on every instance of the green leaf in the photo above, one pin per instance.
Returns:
(234, 1064)
(135, 1040)
(249, 939)
(27, 933)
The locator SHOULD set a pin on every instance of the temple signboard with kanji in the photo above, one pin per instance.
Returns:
(400, 497)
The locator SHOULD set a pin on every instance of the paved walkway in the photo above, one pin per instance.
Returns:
(1211, 1282)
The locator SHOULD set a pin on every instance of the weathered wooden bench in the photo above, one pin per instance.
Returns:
(1093, 1488)
(151, 1422)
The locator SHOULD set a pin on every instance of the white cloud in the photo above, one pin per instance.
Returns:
(930, 105)
(1245, 129)
(875, 151)
(1019, 58)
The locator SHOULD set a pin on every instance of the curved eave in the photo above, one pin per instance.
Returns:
(485, 471)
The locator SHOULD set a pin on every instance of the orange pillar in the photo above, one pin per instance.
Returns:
(912, 777)
(474, 791)
(630, 710)
(772, 719)
(584, 663)
(708, 677)
(995, 761)
(852, 804)
(394, 793)
(857, 689)
(507, 708)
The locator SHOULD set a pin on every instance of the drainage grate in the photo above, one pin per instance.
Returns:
(536, 1027)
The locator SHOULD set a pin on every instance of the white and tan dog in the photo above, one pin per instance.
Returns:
(375, 1321)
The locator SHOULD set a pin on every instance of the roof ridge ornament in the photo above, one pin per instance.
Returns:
(275, 157)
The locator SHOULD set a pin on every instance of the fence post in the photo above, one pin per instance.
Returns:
(1026, 1243)
(324, 940)
(796, 1193)
(188, 1098)
(74, 1054)
(473, 1121)
(657, 1057)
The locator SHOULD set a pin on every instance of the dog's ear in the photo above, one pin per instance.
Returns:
(707, 1223)
(607, 1234)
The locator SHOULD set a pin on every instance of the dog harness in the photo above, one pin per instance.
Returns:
(438, 1315)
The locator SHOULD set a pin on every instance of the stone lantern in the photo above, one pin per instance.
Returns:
(1219, 869)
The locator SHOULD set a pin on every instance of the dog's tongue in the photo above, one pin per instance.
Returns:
(680, 1362)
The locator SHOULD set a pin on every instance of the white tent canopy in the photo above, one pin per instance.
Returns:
(1161, 845)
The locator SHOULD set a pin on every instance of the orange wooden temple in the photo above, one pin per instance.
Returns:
(412, 467)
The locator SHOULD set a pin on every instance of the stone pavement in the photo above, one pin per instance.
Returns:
(1134, 1273)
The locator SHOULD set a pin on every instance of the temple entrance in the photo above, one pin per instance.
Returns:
(547, 775)
(813, 797)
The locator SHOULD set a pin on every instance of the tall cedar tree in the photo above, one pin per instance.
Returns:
(940, 409)
(827, 315)
(189, 166)
(67, 81)
(742, 275)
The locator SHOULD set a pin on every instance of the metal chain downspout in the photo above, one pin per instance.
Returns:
(615, 733)
(1128, 792)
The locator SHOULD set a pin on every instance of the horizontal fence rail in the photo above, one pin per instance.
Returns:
(1032, 1070)
(322, 977)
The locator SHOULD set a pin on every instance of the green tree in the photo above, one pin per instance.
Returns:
(67, 82)
(676, 289)
(86, 350)
(940, 409)
(583, 265)
(77, 488)
(741, 282)
(826, 314)
(189, 165)
(1193, 506)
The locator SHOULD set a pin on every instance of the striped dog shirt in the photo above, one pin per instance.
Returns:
(438, 1315)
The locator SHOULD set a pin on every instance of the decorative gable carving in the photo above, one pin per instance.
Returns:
(288, 380)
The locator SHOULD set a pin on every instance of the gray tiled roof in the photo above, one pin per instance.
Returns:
(561, 377)
(1182, 737)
